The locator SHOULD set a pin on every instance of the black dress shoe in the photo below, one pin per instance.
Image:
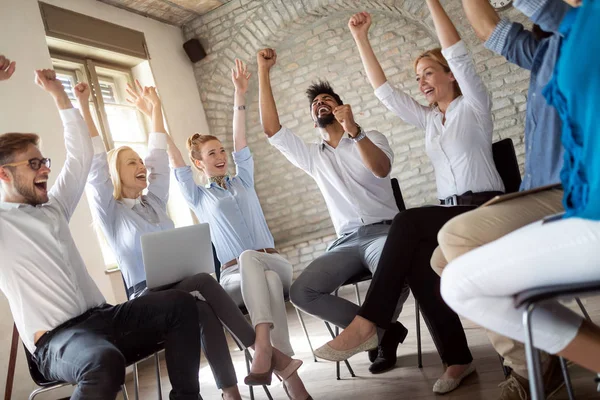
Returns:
(386, 353)
(373, 354)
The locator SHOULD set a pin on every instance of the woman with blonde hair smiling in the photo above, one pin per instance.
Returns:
(458, 140)
(123, 211)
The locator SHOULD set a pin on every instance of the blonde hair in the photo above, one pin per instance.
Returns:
(437, 56)
(194, 145)
(115, 170)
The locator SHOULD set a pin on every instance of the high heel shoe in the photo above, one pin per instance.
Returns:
(261, 378)
(285, 389)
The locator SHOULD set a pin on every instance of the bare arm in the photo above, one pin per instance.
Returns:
(482, 16)
(446, 31)
(240, 77)
(82, 92)
(269, 117)
(372, 156)
(359, 27)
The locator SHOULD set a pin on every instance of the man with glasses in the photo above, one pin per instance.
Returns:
(61, 316)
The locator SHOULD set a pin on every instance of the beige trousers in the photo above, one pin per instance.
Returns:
(484, 225)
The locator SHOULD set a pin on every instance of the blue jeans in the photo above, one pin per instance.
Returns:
(93, 349)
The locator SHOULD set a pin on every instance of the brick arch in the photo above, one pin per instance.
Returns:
(291, 201)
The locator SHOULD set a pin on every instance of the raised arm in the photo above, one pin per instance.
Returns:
(548, 14)
(398, 102)
(140, 97)
(7, 68)
(359, 26)
(269, 117)
(69, 185)
(240, 77)
(482, 17)
(446, 31)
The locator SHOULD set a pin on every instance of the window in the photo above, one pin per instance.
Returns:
(119, 123)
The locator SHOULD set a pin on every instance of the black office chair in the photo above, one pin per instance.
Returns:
(507, 165)
(529, 299)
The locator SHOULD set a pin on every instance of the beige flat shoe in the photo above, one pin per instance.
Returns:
(442, 386)
(327, 352)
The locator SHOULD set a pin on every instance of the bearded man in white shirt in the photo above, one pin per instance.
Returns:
(61, 316)
(352, 169)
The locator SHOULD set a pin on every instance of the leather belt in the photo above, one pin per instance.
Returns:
(235, 260)
(469, 198)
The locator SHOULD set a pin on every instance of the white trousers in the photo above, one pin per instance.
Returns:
(264, 280)
(480, 284)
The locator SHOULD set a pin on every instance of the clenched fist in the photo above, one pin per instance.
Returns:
(343, 114)
(266, 58)
(359, 24)
(82, 92)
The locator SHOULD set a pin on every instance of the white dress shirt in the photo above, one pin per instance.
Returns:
(353, 194)
(124, 221)
(42, 273)
(461, 148)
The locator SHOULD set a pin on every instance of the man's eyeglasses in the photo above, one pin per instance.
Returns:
(34, 163)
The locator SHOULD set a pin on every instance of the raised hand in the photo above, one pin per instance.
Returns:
(266, 58)
(136, 97)
(7, 68)
(240, 76)
(359, 24)
(343, 114)
(46, 79)
(82, 92)
(151, 96)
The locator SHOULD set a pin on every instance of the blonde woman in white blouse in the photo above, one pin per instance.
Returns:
(458, 140)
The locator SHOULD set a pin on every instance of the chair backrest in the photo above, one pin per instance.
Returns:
(507, 165)
(35, 373)
(398, 195)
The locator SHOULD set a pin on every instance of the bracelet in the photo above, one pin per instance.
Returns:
(239, 108)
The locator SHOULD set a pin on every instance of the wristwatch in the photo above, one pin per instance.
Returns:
(359, 136)
(239, 108)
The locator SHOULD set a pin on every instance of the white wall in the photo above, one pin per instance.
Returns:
(25, 108)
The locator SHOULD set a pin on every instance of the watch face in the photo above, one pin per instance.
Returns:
(501, 4)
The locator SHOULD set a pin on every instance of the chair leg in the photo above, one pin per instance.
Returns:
(583, 310)
(158, 383)
(266, 389)
(136, 383)
(533, 357)
(567, 378)
(337, 363)
(418, 322)
(301, 319)
(357, 294)
(247, 358)
(124, 391)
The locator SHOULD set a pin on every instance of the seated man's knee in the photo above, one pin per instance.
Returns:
(273, 279)
(105, 369)
(179, 300)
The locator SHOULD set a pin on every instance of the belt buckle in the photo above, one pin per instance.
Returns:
(452, 200)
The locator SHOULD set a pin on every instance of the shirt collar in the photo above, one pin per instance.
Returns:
(324, 144)
(452, 105)
(214, 184)
(132, 202)
(9, 206)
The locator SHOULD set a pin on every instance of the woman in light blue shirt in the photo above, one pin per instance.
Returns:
(116, 183)
(253, 272)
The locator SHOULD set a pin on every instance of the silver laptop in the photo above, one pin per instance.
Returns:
(175, 254)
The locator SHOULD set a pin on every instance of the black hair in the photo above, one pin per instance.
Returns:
(322, 87)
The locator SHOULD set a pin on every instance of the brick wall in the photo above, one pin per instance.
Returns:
(313, 41)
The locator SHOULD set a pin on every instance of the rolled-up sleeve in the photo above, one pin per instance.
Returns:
(513, 42)
(244, 165)
(402, 105)
(471, 85)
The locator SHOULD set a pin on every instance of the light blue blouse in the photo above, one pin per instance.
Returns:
(236, 219)
(122, 223)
